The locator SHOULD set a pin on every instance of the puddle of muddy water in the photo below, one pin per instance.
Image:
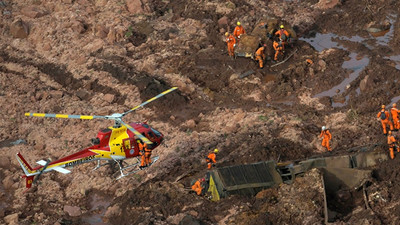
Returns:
(353, 64)
(341, 103)
(396, 59)
(386, 35)
(98, 208)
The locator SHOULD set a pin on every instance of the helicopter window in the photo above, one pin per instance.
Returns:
(151, 135)
(158, 134)
(145, 125)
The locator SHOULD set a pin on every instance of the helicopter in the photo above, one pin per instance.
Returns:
(114, 144)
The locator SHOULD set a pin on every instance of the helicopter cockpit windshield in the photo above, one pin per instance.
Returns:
(156, 132)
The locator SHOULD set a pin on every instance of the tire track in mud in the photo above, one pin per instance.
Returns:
(61, 75)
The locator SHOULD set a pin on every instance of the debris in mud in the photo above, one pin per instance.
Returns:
(84, 57)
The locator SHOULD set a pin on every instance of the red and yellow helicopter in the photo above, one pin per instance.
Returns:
(114, 143)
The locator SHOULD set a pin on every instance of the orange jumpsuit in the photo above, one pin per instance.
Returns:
(325, 141)
(231, 41)
(283, 35)
(391, 143)
(142, 152)
(239, 30)
(196, 187)
(260, 56)
(385, 121)
(395, 116)
(211, 159)
(278, 49)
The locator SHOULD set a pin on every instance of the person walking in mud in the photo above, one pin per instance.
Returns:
(383, 115)
(282, 34)
(260, 55)
(238, 31)
(231, 42)
(395, 117)
(279, 48)
(392, 145)
(198, 186)
(326, 135)
(211, 159)
(142, 153)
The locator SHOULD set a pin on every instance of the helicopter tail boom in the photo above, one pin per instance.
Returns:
(29, 172)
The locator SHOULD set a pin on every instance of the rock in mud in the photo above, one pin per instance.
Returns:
(33, 11)
(12, 219)
(72, 210)
(138, 6)
(8, 182)
(19, 29)
(327, 4)
(109, 98)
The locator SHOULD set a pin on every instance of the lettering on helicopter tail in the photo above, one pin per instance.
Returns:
(80, 161)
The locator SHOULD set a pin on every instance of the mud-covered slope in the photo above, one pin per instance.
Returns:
(103, 57)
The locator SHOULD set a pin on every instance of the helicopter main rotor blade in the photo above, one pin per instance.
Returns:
(65, 116)
(137, 134)
(150, 100)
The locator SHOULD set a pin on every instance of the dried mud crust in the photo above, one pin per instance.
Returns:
(208, 66)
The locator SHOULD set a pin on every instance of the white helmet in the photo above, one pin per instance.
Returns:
(323, 128)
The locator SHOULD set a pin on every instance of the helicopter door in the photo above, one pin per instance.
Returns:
(129, 147)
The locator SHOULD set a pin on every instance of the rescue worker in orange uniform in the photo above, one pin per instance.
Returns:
(211, 158)
(238, 31)
(384, 116)
(260, 55)
(142, 152)
(395, 116)
(392, 144)
(231, 41)
(279, 49)
(282, 34)
(326, 137)
(198, 187)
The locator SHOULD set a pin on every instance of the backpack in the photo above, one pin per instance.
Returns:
(383, 115)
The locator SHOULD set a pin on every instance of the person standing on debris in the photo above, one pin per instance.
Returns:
(326, 137)
(142, 153)
(384, 116)
(392, 144)
(395, 116)
(238, 31)
(279, 49)
(198, 186)
(211, 159)
(260, 55)
(282, 33)
(231, 41)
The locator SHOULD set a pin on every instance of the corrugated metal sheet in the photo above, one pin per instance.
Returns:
(247, 179)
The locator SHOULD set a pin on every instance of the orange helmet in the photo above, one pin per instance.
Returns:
(390, 132)
(226, 34)
(394, 105)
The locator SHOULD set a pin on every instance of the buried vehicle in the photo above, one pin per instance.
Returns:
(262, 33)
(338, 175)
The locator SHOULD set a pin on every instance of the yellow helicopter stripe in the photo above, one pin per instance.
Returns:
(60, 116)
(154, 98)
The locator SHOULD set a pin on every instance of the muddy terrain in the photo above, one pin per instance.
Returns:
(101, 57)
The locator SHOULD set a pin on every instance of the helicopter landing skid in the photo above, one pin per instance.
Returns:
(133, 168)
